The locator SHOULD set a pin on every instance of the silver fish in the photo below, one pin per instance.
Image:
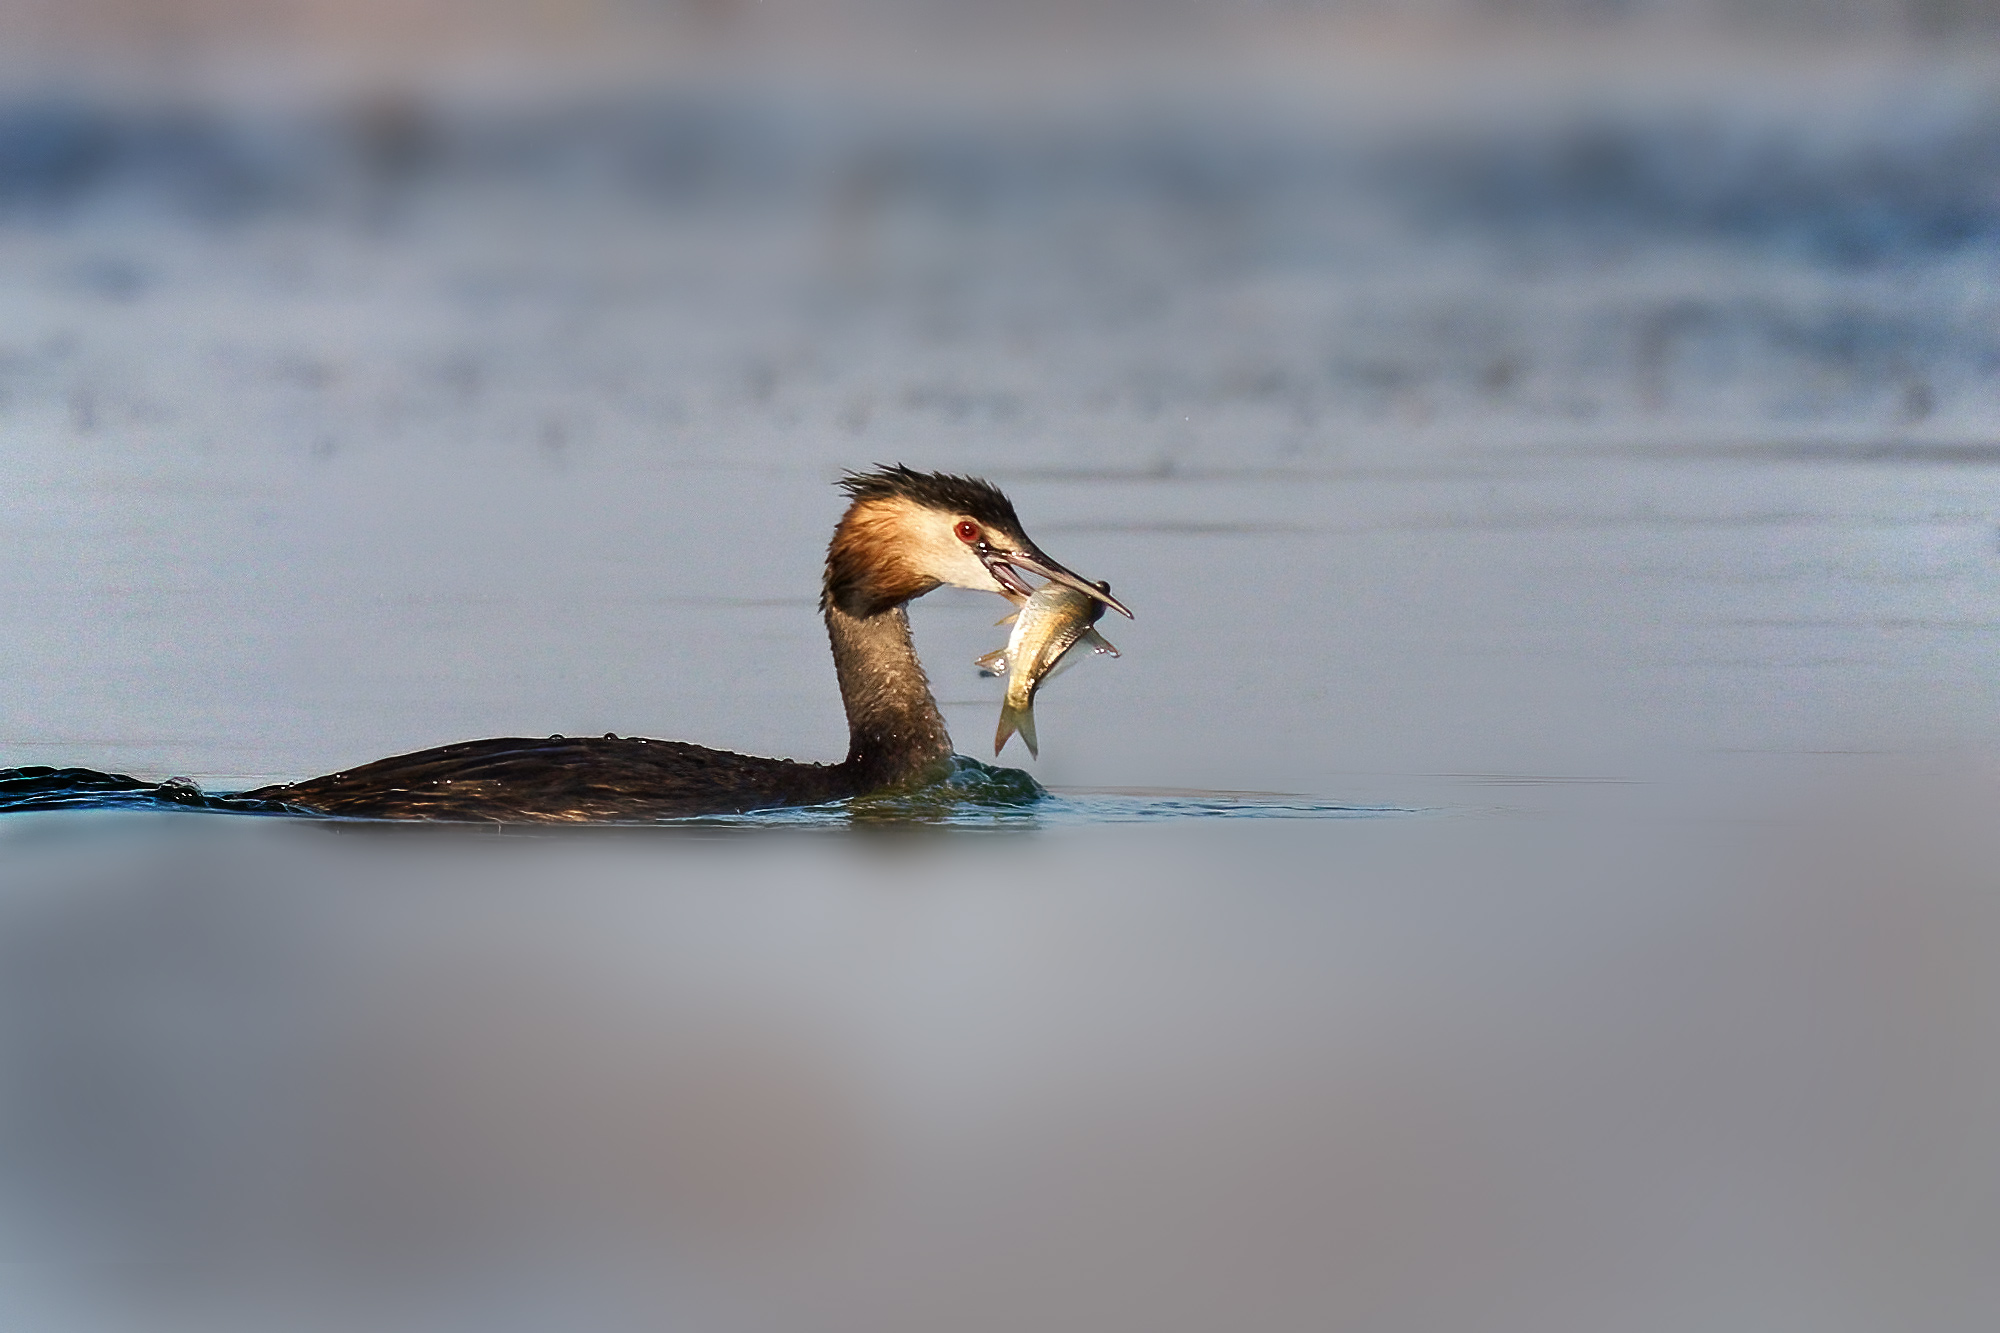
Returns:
(1047, 626)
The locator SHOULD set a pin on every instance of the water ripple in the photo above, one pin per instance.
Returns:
(974, 796)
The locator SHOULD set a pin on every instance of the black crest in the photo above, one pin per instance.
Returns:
(970, 496)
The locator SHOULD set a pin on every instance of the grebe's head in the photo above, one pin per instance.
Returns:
(907, 532)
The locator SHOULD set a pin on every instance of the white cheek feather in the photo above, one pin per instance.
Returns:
(947, 558)
(973, 573)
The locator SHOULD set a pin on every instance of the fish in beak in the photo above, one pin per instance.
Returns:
(1046, 628)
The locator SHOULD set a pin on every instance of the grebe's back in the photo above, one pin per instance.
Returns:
(566, 779)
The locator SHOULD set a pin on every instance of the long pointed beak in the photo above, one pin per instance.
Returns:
(1036, 563)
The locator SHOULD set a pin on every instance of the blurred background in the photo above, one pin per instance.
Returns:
(1525, 388)
(1555, 436)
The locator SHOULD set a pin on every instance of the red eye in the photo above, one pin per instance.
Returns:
(967, 530)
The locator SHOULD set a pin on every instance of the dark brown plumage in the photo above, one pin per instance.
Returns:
(565, 780)
(903, 534)
(977, 499)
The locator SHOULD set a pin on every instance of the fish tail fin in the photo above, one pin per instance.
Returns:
(1014, 719)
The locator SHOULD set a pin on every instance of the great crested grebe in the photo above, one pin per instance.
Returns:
(904, 533)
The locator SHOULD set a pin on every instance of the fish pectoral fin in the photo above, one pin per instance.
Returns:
(1008, 620)
(993, 663)
(1070, 656)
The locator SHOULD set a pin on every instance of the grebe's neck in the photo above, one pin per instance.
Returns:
(894, 729)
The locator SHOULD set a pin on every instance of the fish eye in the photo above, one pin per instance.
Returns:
(967, 530)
